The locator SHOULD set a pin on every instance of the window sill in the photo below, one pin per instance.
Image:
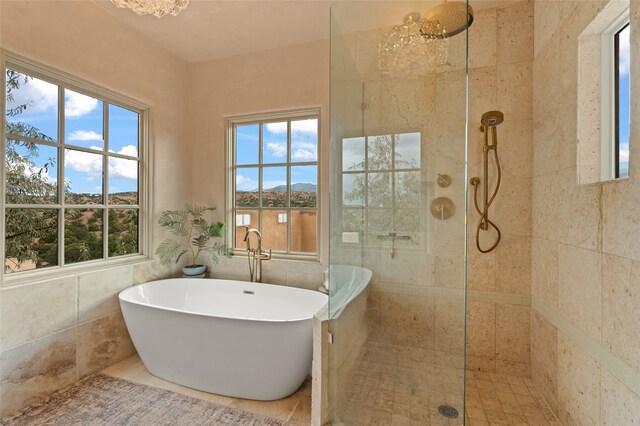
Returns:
(47, 274)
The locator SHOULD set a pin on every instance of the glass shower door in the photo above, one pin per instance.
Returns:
(398, 204)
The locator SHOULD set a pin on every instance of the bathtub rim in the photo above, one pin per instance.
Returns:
(122, 299)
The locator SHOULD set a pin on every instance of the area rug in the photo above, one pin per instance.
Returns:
(106, 400)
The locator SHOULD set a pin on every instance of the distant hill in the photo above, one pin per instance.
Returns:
(296, 187)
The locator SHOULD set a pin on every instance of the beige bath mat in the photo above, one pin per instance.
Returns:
(106, 400)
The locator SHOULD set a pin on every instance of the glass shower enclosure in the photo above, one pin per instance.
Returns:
(398, 210)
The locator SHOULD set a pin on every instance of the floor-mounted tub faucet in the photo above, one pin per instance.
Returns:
(255, 255)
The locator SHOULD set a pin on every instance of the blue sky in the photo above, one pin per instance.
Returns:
(623, 88)
(304, 148)
(84, 127)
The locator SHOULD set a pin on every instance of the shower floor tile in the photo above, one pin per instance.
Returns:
(498, 399)
(393, 386)
(397, 385)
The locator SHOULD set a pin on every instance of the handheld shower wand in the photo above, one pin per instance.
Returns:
(489, 122)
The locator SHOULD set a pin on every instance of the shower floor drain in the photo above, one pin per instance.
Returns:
(448, 411)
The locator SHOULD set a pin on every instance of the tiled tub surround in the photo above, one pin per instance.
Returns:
(301, 274)
(585, 322)
(54, 332)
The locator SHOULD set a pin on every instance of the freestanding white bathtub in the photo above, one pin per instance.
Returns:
(233, 338)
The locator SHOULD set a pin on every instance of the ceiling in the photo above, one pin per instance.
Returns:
(212, 29)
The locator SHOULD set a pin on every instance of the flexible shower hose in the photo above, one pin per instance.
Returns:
(484, 216)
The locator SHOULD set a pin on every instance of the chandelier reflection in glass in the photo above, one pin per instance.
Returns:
(157, 8)
(414, 48)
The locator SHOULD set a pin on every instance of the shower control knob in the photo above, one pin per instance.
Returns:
(444, 180)
(442, 208)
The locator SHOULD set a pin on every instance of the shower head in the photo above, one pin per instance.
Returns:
(492, 118)
(455, 17)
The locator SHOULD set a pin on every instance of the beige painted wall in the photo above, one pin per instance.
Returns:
(585, 325)
(288, 78)
(53, 332)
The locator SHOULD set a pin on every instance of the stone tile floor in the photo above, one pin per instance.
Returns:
(295, 409)
(392, 386)
(498, 399)
(395, 385)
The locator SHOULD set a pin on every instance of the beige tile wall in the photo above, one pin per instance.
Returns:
(585, 271)
(55, 330)
(498, 333)
(417, 297)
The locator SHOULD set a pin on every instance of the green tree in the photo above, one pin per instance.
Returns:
(385, 173)
(123, 232)
(26, 183)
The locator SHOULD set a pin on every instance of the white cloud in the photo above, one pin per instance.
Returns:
(119, 168)
(84, 135)
(268, 184)
(625, 52)
(305, 126)
(303, 154)
(278, 150)
(305, 145)
(83, 162)
(130, 150)
(244, 183)
(305, 151)
(91, 164)
(41, 96)
(300, 126)
(77, 105)
(624, 152)
(277, 127)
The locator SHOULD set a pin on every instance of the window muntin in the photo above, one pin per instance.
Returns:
(275, 182)
(622, 118)
(381, 187)
(56, 133)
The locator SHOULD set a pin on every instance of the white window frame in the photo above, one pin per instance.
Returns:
(608, 98)
(68, 81)
(364, 236)
(259, 118)
(246, 220)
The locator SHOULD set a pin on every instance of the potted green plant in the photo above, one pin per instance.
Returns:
(194, 234)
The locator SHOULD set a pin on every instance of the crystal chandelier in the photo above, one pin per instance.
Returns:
(414, 48)
(157, 8)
